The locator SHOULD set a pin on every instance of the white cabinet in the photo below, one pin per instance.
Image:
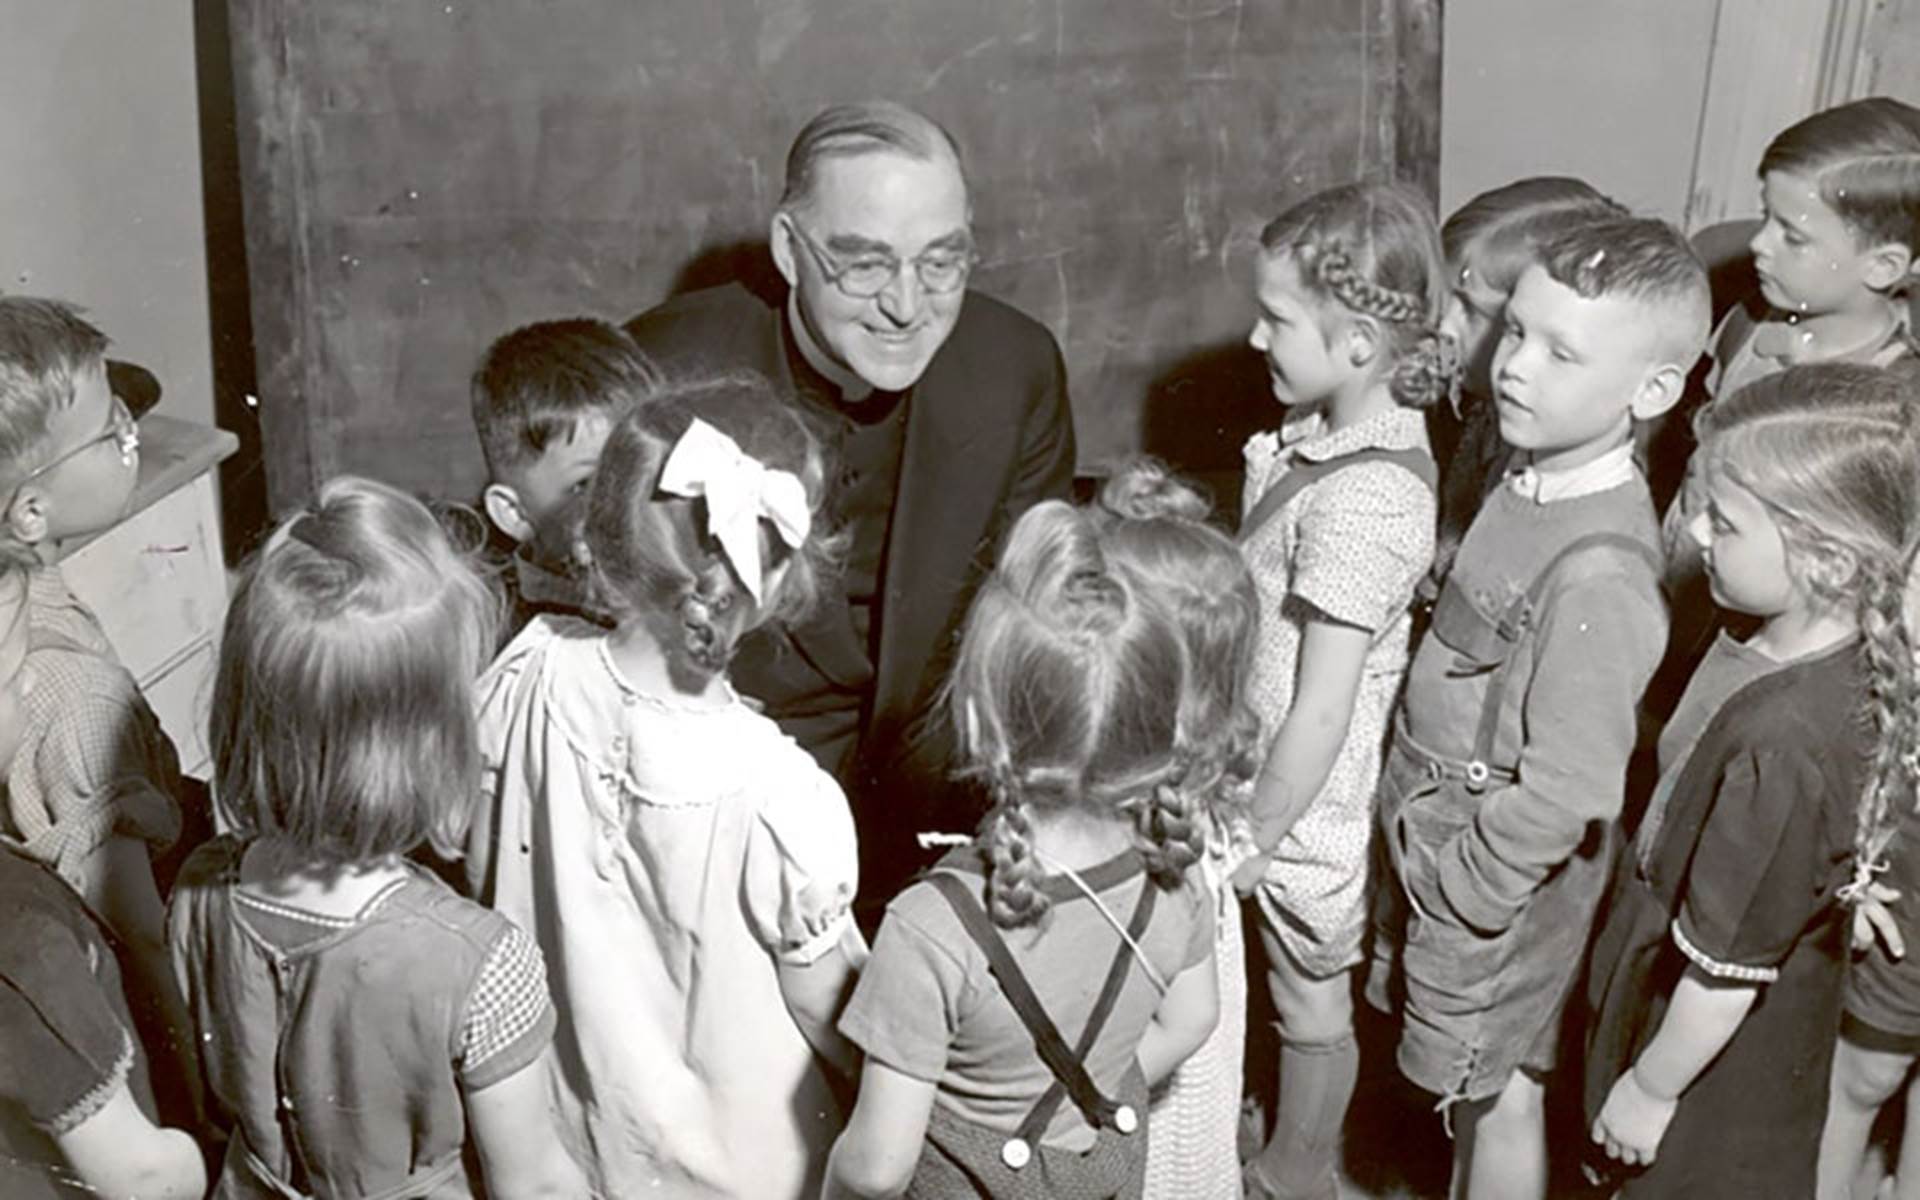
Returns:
(158, 579)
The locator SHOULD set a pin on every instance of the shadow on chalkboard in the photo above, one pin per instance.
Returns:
(1200, 411)
(747, 263)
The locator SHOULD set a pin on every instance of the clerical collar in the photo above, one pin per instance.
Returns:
(850, 386)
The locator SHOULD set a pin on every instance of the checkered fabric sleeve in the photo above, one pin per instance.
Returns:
(95, 765)
(509, 1020)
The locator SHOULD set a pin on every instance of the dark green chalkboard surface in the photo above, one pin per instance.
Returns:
(420, 176)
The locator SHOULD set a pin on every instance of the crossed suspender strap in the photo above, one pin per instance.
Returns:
(1299, 475)
(1517, 620)
(1067, 1064)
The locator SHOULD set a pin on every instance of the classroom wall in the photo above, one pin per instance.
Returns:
(1893, 50)
(1607, 92)
(101, 202)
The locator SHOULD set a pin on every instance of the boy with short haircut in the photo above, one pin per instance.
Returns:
(1506, 772)
(92, 791)
(545, 397)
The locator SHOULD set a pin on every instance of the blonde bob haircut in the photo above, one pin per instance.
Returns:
(343, 709)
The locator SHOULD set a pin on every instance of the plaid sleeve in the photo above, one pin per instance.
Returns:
(510, 1020)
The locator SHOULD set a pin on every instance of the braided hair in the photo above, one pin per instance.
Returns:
(1373, 249)
(1066, 691)
(1830, 450)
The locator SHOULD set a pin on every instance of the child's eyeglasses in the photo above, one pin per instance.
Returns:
(939, 271)
(122, 430)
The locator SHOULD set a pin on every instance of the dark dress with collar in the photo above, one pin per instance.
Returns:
(984, 434)
(1737, 875)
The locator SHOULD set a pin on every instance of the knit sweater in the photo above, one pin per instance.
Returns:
(1567, 716)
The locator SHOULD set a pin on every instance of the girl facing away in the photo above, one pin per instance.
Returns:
(1338, 531)
(1160, 536)
(688, 868)
(1488, 242)
(1715, 981)
(360, 1026)
(1071, 914)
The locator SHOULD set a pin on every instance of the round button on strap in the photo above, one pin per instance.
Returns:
(1125, 1119)
(1016, 1153)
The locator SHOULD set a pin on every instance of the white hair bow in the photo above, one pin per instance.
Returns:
(740, 489)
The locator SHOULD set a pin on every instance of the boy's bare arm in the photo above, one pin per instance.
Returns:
(1594, 651)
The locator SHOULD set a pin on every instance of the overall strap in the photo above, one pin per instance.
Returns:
(1069, 1071)
(1517, 621)
(1298, 476)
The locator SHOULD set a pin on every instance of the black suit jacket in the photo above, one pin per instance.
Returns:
(988, 433)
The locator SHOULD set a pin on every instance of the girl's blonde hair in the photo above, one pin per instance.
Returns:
(1373, 249)
(1157, 530)
(343, 707)
(1833, 452)
(652, 554)
(1067, 692)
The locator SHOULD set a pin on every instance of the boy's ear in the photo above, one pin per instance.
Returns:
(506, 512)
(1887, 265)
(1659, 391)
(780, 241)
(28, 516)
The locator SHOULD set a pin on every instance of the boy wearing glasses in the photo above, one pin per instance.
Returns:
(947, 412)
(91, 791)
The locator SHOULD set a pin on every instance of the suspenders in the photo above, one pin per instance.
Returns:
(1299, 475)
(1066, 1063)
(1482, 642)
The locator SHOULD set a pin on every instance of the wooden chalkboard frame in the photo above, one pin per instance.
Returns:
(282, 77)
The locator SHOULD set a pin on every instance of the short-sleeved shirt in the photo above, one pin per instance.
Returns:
(928, 1006)
(1352, 546)
(670, 854)
(67, 1041)
(93, 762)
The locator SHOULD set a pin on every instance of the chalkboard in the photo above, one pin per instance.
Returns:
(421, 176)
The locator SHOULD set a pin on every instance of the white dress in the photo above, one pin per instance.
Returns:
(1352, 545)
(1193, 1132)
(667, 855)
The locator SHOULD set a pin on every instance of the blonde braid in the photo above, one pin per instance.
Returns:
(1894, 695)
(1014, 895)
(1334, 268)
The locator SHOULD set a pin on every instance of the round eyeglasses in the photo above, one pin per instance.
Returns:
(866, 276)
(122, 430)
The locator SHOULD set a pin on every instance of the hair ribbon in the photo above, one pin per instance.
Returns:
(739, 491)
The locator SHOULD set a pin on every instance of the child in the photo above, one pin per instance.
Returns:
(1197, 573)
(356, 1019)
(1067, 692)
(689, 868)
(1338, 531)
(91, 792)
(545, 397)
(1506, 769)
(75, 1099)
(1488, 241)
(1716, 978)
(1834, 255)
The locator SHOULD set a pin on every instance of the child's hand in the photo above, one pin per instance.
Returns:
(1247, 876)
(1633, 1121)
(1872, 917)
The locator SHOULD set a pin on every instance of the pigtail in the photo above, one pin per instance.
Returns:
(1886, 626)
(1170, 835)
(1426, 373)
(1014, 895)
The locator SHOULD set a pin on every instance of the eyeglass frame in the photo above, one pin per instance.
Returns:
(837, 273)
(122, 427)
